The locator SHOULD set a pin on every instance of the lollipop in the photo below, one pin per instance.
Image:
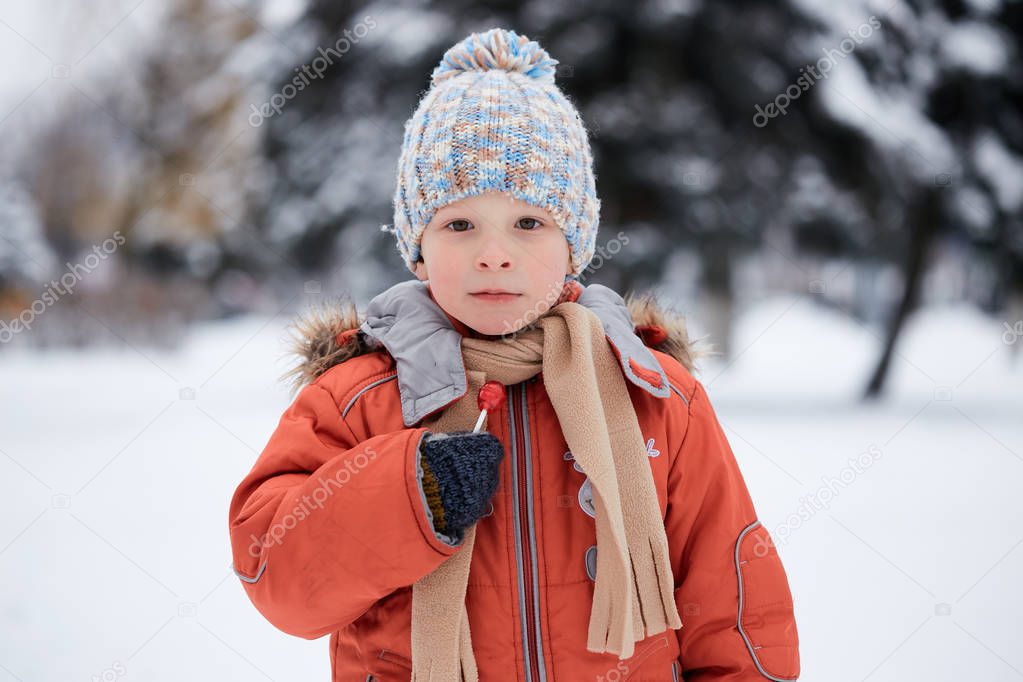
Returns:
(490, 398)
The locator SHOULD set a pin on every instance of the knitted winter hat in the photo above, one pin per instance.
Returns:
(493, 119)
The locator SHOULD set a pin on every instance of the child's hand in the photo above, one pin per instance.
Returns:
(466, 467)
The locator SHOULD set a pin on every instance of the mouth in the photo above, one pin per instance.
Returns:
(494, 295)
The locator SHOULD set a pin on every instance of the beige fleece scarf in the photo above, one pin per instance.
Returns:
(634, 584)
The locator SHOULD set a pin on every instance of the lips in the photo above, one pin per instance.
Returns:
(494, 295)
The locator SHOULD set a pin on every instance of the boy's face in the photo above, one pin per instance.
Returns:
(494, 241)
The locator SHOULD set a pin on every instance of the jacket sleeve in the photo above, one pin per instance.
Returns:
(323, 526)
(731, 590)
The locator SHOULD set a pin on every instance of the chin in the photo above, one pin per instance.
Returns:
(489, 329)
(492, 328)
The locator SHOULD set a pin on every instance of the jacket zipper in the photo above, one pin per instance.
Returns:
(525, 538)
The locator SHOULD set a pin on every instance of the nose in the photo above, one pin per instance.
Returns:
(494, 256)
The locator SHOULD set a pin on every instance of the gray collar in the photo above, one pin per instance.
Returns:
(427, 349)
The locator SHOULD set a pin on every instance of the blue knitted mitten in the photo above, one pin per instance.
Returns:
(461, 470)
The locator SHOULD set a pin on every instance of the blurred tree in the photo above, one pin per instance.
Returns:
(845, 141)
(159, 152)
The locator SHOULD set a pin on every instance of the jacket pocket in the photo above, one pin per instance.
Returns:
(648, 662)
(395, 658)
(766, 619)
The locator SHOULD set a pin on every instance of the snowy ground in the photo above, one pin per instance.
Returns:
(116, 469)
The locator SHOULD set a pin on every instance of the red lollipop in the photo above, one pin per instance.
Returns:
(490, 398)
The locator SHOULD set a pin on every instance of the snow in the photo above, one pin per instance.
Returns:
(845, 15)
(401, 34)
(1002, 169)
(892, 120)
(976, 47)
(282, 13)
(117, 466)
(38, 37)
(985, 6)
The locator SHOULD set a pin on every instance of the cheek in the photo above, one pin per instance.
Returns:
(445, 273)
(552, 259)
(445, 266)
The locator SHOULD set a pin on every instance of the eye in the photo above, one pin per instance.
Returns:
(529, 224)
(456, 225)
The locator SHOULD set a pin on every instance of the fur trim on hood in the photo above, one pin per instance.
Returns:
(327, 335)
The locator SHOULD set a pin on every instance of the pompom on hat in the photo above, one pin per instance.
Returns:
(493, 120)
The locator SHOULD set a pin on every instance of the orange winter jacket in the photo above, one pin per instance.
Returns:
(331, 528)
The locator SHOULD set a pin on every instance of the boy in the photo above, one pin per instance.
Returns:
(432, 552)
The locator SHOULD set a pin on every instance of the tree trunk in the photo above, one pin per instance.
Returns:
(924, 216)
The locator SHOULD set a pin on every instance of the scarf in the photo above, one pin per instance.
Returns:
(634, 591)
